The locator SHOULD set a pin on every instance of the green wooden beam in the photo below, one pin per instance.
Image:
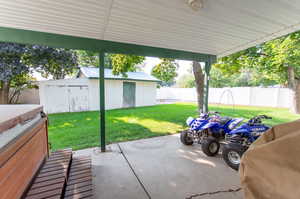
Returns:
(102, 101)
(72, 42)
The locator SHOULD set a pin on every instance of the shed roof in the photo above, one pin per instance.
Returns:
(93, 73)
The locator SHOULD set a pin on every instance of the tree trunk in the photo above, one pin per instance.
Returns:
(294, 85)
(4, 92)
(199, 80)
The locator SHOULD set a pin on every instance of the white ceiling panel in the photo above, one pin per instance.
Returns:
(220, 28)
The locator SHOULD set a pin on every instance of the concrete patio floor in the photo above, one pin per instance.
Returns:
(159, 168)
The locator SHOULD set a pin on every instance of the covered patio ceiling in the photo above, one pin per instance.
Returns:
(219, 27)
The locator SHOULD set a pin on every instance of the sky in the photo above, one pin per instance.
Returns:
(149, 63)
(184, 66)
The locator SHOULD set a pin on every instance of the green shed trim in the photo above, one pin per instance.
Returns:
(126, 79)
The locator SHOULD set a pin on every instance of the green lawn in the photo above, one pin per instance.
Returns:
(81, 130)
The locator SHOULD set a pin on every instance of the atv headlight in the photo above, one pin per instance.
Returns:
(189, 121)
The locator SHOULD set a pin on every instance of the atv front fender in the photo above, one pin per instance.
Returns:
(209, 125)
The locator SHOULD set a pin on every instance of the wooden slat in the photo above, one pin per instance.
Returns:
(80, 195)
(45, 188)
(79, 180)
(44, 174)
(51, 180)
(54, 192)
(78, 190)
(55, 164)
(60, 157)
(80, 176)
(43, 179)
(61, 151)
(79, 183)
(48, 183)
(87, 166)
(54, 168)
(83, 171)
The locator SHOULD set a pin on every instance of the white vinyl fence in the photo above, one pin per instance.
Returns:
(251, 96)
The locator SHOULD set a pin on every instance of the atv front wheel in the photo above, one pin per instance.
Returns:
(232, 154)
(210, 146)
(185, 138)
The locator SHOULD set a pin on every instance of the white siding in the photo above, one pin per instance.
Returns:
(83, 94)
(60, 95)
(113, 94)
(145, 93)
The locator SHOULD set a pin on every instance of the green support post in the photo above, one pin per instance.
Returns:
(206, 86)
(102, 101)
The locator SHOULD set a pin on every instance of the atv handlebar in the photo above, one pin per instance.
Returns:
(257, 119)
(213, 113)
(207, 114)
(263, 117)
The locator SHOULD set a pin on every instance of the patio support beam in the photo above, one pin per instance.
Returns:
(72, 42)
(102, 101)
(206, 84)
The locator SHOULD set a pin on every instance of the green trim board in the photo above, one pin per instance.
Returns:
(126, 79)
(72, 42)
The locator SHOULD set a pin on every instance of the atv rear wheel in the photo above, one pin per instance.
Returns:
(232, 154)
(185, 138)
(210, 146)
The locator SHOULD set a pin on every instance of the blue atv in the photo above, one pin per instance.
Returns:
(192, 135)
(208, 130)
(238, 140)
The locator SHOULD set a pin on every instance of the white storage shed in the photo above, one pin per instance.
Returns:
(82, 93)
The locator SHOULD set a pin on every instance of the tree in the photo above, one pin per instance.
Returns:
(12, 67)
(17, 61)
(165, 71)
(246, 77)
(87, 58)
(276, 60)
(199, 80)
(119, 63)
(186, 81)
(57, 62)
(19, 83)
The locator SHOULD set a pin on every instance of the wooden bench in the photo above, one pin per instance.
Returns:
(79, 184)
(63, 176)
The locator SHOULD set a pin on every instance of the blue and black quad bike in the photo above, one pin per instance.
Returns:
(208, 130)
(238, 140)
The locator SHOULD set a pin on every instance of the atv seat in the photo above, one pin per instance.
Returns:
(224, 120)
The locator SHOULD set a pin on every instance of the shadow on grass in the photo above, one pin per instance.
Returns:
(81, 136)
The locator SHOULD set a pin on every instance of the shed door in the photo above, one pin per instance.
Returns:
(78, 98)
(128, 94)
(56, 99)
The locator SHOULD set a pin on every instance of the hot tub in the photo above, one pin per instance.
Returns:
(23, 147)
